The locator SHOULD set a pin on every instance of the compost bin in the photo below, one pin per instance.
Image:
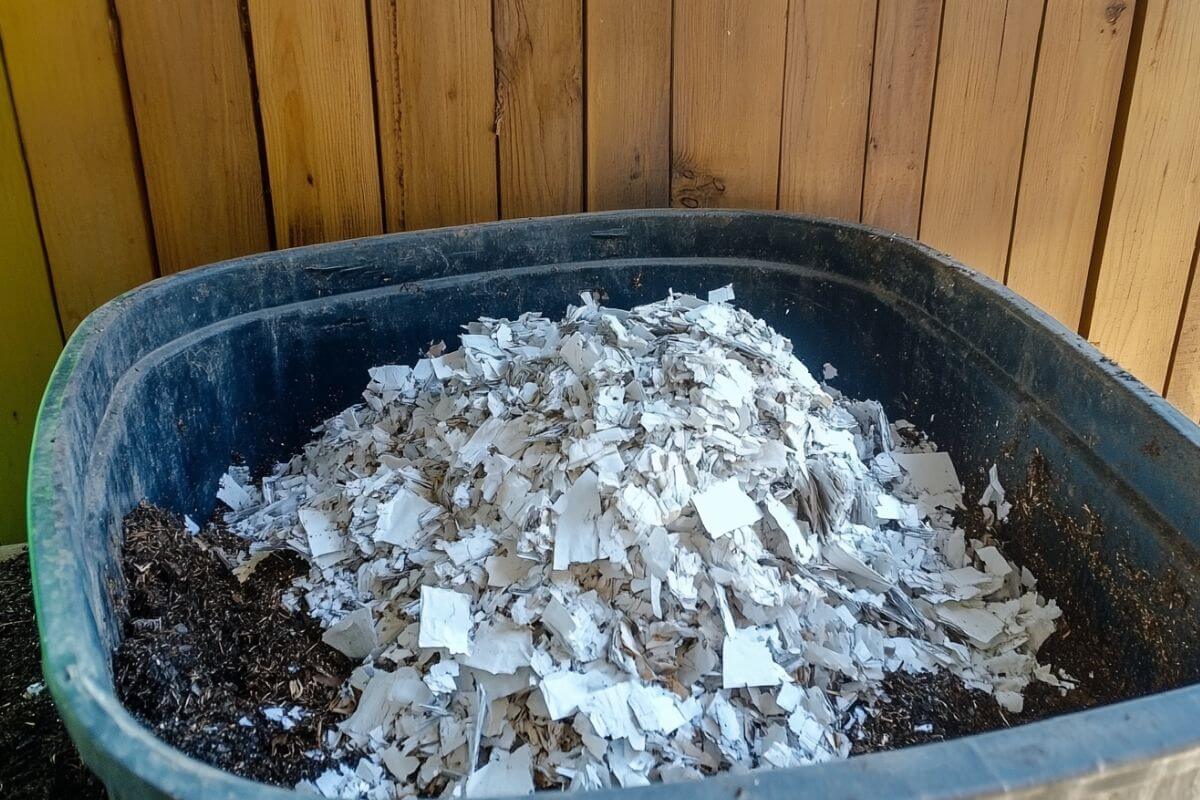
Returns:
(157, 388)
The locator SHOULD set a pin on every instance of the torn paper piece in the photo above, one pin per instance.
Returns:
(403, 517)
(442, 677)
(445, 620)
(609, 712)
(233, 494)
(564, 691)
(799, 543)
(323, 537)
(506, 775)
(929, 473)
(722, 295)
(575, 627)
(993, 495)
(354, 635)
(501, 648)
(978, 623)
(656, 709)
(746, 661)
(993, 561)
(575, 537)
(724, 507)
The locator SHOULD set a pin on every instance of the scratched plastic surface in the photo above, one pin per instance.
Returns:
(157, 389)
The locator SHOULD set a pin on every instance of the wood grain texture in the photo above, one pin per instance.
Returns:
(313, 64)
(29, 335)
(539, 87)
(906, 46)
(628, 104)
(826, 95)
(1183, 388)
(1078, 82)
(728, 102)
(189, 80)
(979, 110)
(1151, 233)
(436, 91)
(69, 92)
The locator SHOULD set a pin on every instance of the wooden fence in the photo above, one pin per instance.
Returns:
(1052, 144)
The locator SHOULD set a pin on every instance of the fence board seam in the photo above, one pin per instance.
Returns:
(114, 22)
(862, 184)
(787, 48)
(260, 135)
(1012, 228)
(937, 65)
(37, 215)
(1116, 150)
(373, 72)
(1183, 314)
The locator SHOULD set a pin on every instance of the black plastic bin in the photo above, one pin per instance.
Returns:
(158, 387)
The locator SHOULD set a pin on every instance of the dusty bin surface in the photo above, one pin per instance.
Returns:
(157, 388)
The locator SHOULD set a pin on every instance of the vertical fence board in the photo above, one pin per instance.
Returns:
(29, 334)
(980, 105)
(313, 65)
(68, 88)
(728, 102)
(436, 92)
(628, 104)
(827, 90)
(1075, 94)
(539, 63)
(906, 46)
(189, 80)
(1151, 231)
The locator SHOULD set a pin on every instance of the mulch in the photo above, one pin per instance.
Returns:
(203, 654)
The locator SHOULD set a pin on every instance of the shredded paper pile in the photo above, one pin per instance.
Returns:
(626, 547)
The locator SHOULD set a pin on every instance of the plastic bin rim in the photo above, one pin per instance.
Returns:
(1114, 739)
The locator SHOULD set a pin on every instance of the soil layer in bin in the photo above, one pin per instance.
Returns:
(203, 654)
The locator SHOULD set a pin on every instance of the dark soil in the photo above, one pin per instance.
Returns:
(928, 707)
(202, 651)
(37, 759)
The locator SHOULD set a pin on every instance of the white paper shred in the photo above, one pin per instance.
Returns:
(724, 507)
(625, 547)
(445, 620)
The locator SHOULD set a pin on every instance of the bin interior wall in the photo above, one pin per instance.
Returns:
(158, 391)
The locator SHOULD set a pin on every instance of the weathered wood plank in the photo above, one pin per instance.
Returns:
(69, 91)
(906, 46)
(980, 105)
(189, 80)
(728, 102)
(29, 335)
(539, 59)
(1151, 234)
(628, 104)
(1075, 95)
(436, 92)
(313, 64)
(827, 91)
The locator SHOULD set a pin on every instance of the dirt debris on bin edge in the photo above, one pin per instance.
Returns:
(38, 758)
(202, 651)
